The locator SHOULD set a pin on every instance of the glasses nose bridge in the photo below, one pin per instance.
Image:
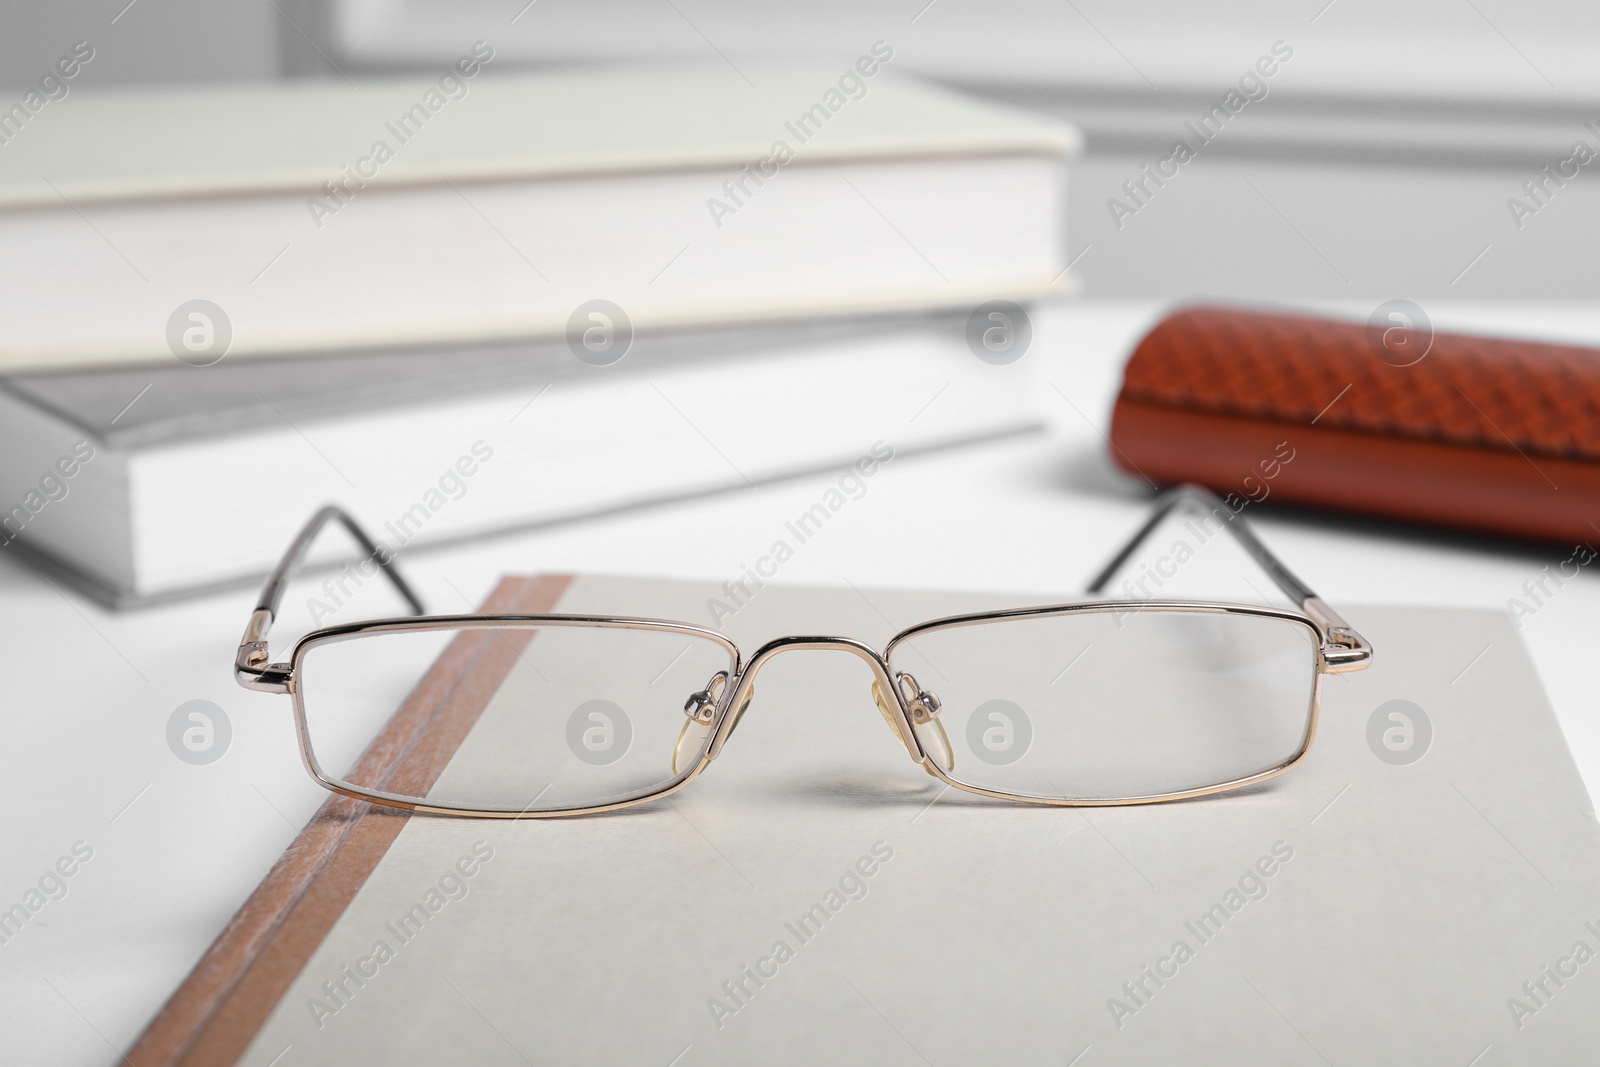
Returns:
(805, 643)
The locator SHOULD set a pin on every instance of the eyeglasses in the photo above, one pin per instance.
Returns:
(541, 715)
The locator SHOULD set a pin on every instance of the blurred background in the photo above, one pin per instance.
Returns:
(1380, 165)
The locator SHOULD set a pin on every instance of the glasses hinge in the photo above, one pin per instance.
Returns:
(267, 678)
(1343, 649)
(251, 668)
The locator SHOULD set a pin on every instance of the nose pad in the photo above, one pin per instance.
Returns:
(701, 711)
(924, 720)
(888, 717)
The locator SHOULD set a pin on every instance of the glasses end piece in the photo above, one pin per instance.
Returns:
(251, 668)
(1343, 649)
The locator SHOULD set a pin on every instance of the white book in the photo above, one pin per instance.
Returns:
(458, 208)
(143, 484)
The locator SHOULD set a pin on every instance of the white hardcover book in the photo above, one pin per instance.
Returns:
(144, 484)
(473, 205)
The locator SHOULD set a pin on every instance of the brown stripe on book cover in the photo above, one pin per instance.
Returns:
(1486, 434)
(219, 1008)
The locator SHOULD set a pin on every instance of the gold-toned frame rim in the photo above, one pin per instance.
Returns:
(1123, 607)
(743, 679)
(459, 622)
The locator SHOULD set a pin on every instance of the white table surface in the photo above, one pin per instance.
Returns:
(177, 848)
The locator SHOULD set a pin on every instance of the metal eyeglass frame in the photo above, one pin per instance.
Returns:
(1339, 650)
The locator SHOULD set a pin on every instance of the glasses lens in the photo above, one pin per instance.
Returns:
(508, 718)
(1117, 705)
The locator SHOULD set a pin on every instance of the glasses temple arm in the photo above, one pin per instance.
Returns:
(251, 667)
(1344, 648)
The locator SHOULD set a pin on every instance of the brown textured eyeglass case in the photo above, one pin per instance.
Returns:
(1485, 434)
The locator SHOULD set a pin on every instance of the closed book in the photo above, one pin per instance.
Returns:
(144, 484)
(471, 205)
(742, 911)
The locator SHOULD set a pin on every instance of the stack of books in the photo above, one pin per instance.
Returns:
(469, 301)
